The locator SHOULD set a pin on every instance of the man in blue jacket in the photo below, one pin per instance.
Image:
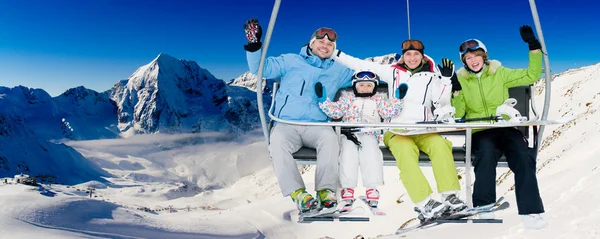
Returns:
(297, 100)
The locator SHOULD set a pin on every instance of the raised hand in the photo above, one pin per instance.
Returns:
(253, 34)
(253, 30)
(447, 67)
(400, 92)
(528, 36)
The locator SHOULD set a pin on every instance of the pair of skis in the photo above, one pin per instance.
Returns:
(457, 217)
(340, 212)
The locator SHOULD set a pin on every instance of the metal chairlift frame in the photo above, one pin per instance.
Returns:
(469, 127)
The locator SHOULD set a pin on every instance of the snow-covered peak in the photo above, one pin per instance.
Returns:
(247, 80)
(385, 59)
(169, 94)
(35, 106)
(164, 59)
(80, 93)
(22, 95)
(86, 114)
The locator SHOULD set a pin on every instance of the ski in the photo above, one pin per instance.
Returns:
(331, 214)
(455, 217)
(346, 205)
(464, 216)
(374, 210)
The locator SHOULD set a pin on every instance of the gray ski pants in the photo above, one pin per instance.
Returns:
(287, 139)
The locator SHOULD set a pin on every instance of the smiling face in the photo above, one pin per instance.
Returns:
(474, 60)
(322, 48)
(365, 87)
(412, 58)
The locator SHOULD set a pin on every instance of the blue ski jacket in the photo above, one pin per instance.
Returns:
(298, 73)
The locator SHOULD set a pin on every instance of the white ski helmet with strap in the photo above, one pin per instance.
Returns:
(365, 76)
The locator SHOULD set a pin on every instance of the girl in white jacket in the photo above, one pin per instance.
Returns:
(427, 87)
(363, 105)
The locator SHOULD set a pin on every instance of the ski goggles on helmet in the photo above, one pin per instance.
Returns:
(321, 32)
(468, 45)
(412, 45)
(364, 75)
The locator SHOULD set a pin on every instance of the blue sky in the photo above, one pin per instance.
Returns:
(61, 44)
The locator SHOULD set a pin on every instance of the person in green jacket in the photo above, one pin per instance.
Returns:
(483, 87)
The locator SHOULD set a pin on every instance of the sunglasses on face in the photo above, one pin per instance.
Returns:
(325, 31)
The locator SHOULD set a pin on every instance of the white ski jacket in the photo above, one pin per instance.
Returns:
(426, 88)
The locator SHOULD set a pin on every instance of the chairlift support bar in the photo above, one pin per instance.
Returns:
(261, 65)
(548, 89)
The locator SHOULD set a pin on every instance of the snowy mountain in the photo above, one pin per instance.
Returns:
(243, 102)
(22, 151)
(36, 107)
(167, 95)
(171, 95)
(31, 121)
(78, 113)
(87, 114)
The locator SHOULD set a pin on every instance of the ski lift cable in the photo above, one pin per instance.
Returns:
(408, 17)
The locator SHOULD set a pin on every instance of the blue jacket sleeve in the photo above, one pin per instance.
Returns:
(274, 66)
(346, 80)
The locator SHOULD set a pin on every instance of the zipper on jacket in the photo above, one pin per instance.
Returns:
(302, 89)
(482, 96)
(284, 102)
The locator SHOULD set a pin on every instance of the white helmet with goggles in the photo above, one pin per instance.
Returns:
(470, 45)
(365, 76)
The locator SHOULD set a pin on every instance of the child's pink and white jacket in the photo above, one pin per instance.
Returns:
(355, 109)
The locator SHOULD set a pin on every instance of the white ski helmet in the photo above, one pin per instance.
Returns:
(365, 76)
(470, 45)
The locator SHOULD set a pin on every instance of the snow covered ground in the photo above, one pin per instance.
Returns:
(205, 186)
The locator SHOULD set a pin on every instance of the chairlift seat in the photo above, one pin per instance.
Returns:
(522, 94)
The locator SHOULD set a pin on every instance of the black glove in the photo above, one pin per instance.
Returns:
(527, 35)
(447, 68)
(455, 84)
(253, 34)
(320, 92)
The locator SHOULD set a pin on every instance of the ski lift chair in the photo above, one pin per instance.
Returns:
(522, 94)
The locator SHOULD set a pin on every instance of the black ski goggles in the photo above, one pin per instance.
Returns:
(325, 31)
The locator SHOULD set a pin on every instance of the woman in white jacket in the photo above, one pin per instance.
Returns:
(427, 87)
